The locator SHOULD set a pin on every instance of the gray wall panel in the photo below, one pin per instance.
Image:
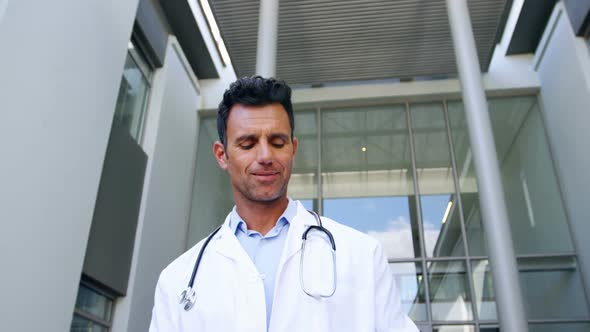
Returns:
(60, 65)
(152, 30)
(565, 93)
(112, 234)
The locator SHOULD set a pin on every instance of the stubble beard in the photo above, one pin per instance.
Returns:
(249, 192)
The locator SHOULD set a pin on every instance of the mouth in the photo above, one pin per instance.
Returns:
(266, 176)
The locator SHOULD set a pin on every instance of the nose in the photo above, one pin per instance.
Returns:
(265, 153)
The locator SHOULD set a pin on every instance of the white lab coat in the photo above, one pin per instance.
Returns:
(230, 291)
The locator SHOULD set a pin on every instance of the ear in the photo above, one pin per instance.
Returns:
(295, 145)
(220, 156)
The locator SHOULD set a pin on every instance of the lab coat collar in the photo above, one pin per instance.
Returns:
(228, 245)
(235, 221)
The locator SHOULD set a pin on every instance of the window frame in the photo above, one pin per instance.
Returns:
(90, 317)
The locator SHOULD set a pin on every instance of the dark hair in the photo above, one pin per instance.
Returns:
(253, 91)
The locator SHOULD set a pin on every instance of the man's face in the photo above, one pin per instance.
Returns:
(259, 153)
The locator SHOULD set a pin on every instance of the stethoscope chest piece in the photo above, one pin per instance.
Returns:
(188, 297)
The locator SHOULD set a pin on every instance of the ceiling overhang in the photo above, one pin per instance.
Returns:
(328, 41)
(187, 32)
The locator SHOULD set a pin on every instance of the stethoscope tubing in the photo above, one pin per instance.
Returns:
(196, 267)
(188, 295)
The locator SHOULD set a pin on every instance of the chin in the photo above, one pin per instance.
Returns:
(266, 197)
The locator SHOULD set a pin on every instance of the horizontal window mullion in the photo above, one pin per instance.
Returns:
(558, 321)
(92, 318)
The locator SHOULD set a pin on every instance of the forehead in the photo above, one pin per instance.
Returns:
(267, 118)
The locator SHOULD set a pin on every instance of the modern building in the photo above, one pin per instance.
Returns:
(456, 132)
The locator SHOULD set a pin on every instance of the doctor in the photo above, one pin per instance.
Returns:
(249, 275)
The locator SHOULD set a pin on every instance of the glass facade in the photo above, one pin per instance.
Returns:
(133, 93)
(404, 174)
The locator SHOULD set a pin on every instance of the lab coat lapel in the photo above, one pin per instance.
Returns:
(228, 245)
(298, 225)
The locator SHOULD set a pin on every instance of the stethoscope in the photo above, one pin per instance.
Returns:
(188, 296)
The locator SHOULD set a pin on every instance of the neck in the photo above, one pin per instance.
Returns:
(261, 216)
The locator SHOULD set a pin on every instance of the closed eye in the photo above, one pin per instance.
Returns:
(246, 142)
(247, 145)
(278, 141)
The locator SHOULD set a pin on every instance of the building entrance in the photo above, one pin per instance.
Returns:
(404, 174)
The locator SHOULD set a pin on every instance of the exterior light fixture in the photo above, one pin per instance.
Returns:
(215, 31)
(444, 219)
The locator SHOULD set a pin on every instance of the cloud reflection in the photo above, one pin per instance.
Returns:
(398, 241)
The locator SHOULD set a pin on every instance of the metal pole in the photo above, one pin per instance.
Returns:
(495, 217)
(268, 26)
(320, 187)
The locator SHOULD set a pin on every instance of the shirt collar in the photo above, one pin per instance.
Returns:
(236, 222)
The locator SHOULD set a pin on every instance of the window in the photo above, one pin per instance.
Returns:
(404, 174)
(133, 92)
(93, 312)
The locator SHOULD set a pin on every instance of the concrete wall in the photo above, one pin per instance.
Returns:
(60, 65)
(166, 203)
(563, 64)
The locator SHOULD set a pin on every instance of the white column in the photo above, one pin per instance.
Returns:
(495, 217)
(268, 26)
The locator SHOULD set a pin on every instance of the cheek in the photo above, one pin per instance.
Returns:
(287, 163)
(240, 163)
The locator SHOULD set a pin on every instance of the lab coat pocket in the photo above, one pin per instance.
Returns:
(214, 308)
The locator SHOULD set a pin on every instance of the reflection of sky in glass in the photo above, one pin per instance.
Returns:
(388, 220)
(385, 218)
(433, 211)
(368, 213)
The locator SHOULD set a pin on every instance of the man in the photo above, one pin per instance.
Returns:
(249, 275)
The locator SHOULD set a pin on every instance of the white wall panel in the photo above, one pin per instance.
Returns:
(60, 69)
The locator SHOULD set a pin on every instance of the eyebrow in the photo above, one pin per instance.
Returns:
(246, 137)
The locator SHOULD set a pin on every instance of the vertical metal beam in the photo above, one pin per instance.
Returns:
(509, 301)
(418, 205)
(268, 26)
(320, 187)
(459, 207)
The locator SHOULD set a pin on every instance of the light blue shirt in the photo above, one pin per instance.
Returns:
(265, 251)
